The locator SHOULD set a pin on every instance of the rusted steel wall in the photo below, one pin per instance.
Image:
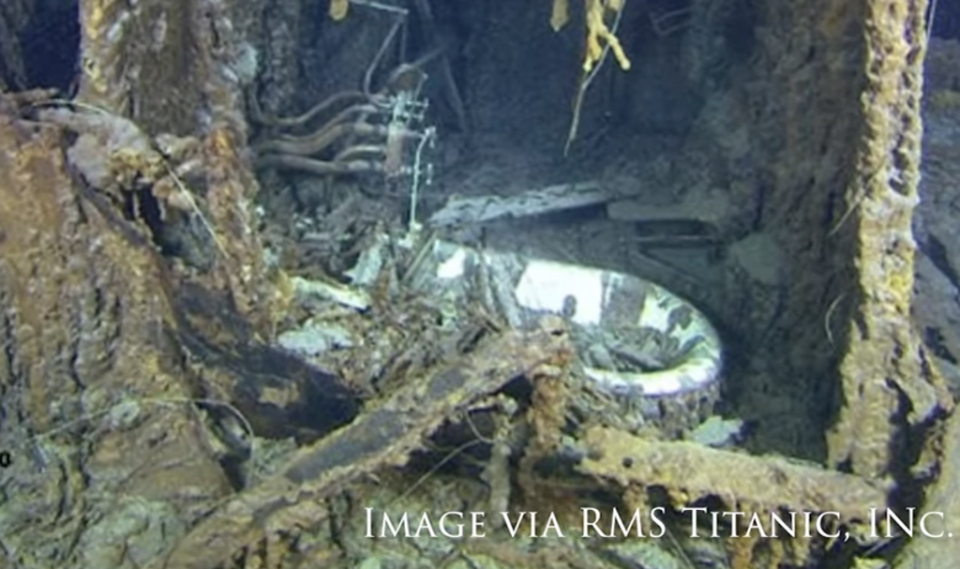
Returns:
(93, 383)
(840, 124)
(14, 17)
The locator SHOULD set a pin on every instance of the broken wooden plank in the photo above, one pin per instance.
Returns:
(743, 481)
(383, 436)
(711, 207)
(535, 202)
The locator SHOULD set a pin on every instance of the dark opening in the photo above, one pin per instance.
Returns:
(51, 45)
(946, 19)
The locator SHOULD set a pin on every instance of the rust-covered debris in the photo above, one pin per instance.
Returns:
(384, 436)
(93, 372)
(156, 418)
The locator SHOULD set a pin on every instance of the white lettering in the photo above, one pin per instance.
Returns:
(369, 532)
(552, 525)
(755, 525)
(590, 517)
(923, 524)
(425, 524)
(476, 524)
(733, 523)
(693, 518)
(821, 531)
(617, 523)
(513, 527)
(655, 518)
(789, 529)
(458, 527)
(386, 525)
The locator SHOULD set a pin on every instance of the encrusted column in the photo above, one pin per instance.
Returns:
(888, 388)
(179, 67)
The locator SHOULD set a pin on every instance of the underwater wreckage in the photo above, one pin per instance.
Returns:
(231, 324)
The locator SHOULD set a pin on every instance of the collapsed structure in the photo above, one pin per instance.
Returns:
(156, 417)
